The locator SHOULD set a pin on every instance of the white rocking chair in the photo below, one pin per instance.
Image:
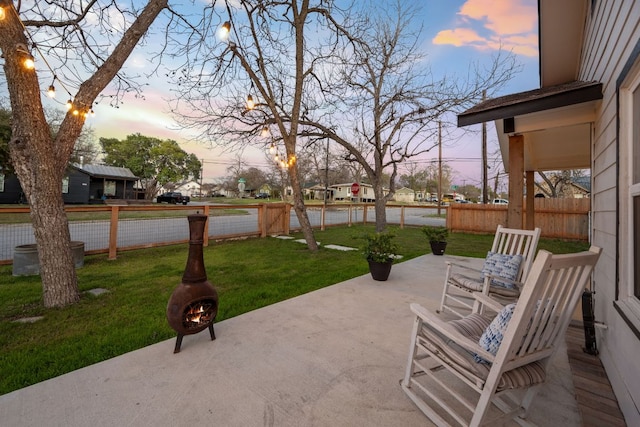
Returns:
(461, 280)
(538, 323)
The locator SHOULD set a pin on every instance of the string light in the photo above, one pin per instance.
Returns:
(250, 103)
(224, 31)
(52, 89)
(265, 132)
(29, 61)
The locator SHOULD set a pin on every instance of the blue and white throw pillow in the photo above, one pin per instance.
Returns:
(491, 338)
(502, 265)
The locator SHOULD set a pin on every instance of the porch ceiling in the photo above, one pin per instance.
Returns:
(554, 121)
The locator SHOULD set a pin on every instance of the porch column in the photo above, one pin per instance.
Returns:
(516, 181)
(531, 214)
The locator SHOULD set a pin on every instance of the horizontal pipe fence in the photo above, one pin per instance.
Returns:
(113, 228)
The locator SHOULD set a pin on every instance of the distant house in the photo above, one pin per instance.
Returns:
(405, 194)
(365, 195)
(82, 184)
(189, 188)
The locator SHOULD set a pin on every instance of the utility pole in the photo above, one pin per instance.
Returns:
(439, 166)
(201, 177)
(485, 166)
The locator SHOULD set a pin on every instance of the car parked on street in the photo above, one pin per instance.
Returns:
(173, 197)
(262, 196)
(500, 202)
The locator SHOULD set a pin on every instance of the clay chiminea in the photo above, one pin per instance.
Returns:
(193, 306)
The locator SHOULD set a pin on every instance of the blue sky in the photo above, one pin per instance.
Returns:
(455, 33)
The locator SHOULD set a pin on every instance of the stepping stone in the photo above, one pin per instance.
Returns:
(97, 291)
(28, 319)
(283, 237)
(340, 248)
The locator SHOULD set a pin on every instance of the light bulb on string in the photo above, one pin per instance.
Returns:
(265, 132)
(3, 13)
(272, 148)
(52, 89)
(69, 104)
(28, 61)
(224, 31)
(250, 103)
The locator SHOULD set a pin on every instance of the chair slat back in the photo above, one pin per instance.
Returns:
(546, 304)
(512, 241)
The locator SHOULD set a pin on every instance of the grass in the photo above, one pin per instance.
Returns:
(248, 274)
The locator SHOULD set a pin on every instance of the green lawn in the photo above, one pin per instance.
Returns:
(248, 274)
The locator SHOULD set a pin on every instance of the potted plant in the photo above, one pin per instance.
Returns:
(437, 237)
(379, 250)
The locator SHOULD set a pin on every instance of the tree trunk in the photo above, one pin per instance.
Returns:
(381, 208)
(51, 230)
(40, 161)
(301, 211)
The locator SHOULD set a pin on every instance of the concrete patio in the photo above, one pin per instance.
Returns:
(333, 357)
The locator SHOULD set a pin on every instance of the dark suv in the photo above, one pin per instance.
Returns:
(262, 196)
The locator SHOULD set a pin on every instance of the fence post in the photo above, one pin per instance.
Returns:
(322, 210)
(364, 214)
(262, 219)
(287, 218)
(402, 216)
(205, 241)
(349, 222)
(113, 232)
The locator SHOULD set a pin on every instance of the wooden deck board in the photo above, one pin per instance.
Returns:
(596, 401)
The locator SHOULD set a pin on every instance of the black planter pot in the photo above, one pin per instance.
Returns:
(438, 247)
(380, 270)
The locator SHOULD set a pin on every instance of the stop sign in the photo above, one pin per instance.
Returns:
(355, 188)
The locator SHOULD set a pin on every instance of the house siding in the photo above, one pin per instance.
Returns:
(612, 33)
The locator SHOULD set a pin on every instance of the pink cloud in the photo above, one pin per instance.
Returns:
(503, 17)
(508, 25)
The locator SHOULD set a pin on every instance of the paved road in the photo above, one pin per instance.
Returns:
(132, 232)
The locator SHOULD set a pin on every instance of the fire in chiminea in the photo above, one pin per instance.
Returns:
(193, 306)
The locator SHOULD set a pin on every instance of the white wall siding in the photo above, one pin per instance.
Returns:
(611, 34)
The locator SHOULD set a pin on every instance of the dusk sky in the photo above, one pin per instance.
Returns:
(455, 34)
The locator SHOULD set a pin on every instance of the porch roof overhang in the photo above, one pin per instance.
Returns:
(555, 122)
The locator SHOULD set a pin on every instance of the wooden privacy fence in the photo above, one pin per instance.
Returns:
(558, 218)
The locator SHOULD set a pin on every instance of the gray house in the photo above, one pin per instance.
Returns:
(82, 184)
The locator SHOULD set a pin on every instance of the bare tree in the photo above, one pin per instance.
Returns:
(389, 99)
(558, 183)
(263, 76)
(69, 31)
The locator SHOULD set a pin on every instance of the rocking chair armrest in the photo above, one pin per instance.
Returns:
(451, 264)
(437, 324)
(487, 280)
(486, 300)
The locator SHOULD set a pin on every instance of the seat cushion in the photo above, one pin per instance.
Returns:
(502, 265)
(465, 282)
(463, 361)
